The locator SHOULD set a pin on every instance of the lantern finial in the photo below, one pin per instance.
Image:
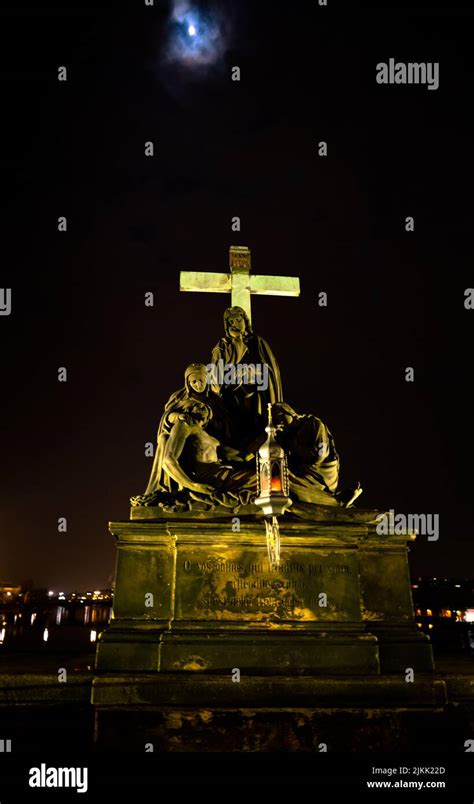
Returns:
(269, 406)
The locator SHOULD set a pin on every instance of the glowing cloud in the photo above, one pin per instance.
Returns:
(196, 37)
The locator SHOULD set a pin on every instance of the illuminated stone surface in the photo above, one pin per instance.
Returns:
(339, 604)
(239, 282)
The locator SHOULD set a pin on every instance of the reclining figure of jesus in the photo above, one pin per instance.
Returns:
(192, 458)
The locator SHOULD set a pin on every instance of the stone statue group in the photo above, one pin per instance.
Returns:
(209, 433)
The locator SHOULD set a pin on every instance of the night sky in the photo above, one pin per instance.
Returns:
(224, 149)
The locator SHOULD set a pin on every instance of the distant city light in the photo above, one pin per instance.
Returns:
(2, 636)
(9, 594)
(33, 618)
(45, 635)
(430, 625)
(93, 636)
(457, 585)
(50, 593)
(469, 616)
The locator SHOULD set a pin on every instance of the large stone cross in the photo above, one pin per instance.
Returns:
(240, 283)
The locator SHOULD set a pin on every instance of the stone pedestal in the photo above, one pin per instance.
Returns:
(196, 594)
(208, 641)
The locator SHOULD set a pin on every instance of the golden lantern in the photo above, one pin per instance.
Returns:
(273, 488)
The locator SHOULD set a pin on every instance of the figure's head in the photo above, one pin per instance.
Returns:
(236, 322)
(199, 411)
(195, 378)
(283, 414)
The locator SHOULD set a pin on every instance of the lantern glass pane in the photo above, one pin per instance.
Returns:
(276, 477)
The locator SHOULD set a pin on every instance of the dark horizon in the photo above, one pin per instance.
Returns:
(223, 148)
